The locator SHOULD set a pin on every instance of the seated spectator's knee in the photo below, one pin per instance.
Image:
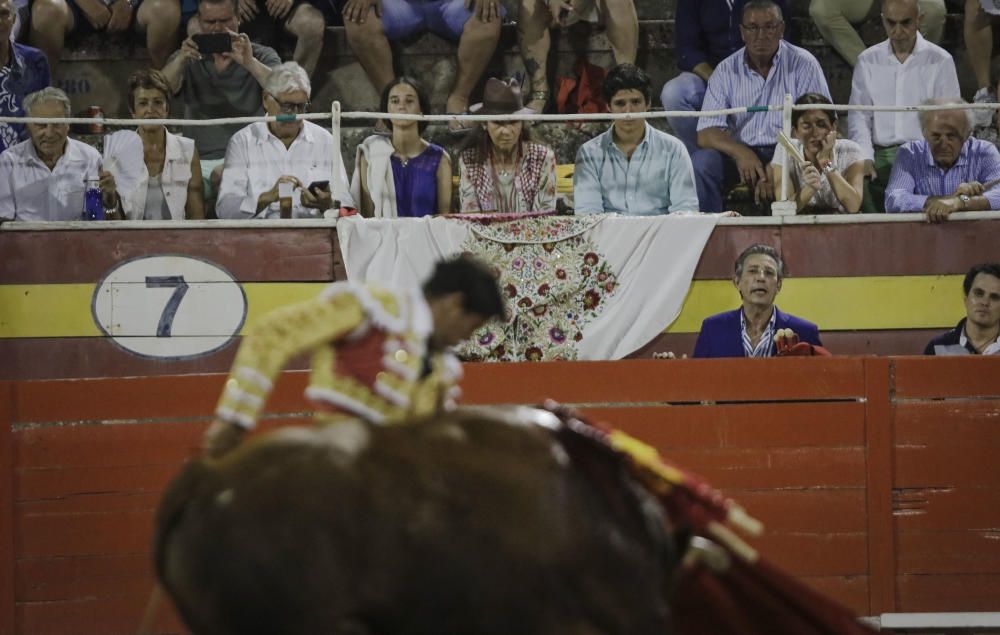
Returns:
(307, 22)
(164, 14)
(684, 92)
(49, 15)
(934, 11)
(364, 35)
(823, 10)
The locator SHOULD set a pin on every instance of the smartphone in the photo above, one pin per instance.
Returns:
(318, 185)
(209, 43)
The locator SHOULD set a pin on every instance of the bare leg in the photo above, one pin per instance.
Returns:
(369, 43)
(979, 41)
(623, 29)
(161, 20)
(51, 20)
(475, 48)
(307, 25)
(533, 23)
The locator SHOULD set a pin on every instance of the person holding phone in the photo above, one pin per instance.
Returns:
(403, 175)
(270, 166)
(268, 20)
(219, 84)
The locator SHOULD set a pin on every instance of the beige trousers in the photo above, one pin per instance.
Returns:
(834, 19)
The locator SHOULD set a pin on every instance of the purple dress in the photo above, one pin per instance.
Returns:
(416, 182)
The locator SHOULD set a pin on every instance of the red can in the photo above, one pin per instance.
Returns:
(96, 113)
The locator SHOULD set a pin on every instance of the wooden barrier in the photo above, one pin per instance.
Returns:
(875, 477)
(840, 274)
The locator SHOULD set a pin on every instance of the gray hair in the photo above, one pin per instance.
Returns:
(46, 95)
(925, 116)
(760, 248)
(286, 78)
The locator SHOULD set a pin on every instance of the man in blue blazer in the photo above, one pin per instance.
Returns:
(750, 330)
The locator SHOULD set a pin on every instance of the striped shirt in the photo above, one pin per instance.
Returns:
(765, 345)
(794, 71)
(916, 177)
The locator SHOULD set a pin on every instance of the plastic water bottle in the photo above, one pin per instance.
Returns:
(93, 203)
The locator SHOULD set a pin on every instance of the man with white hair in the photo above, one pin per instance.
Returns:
(289, 159)
(903, 70)
(947, 171)
(45, 177)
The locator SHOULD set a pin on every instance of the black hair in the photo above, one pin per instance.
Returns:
(813, 98)
(625, 77)
(761, 5)
(989, 268)
(471, 277)
(425, 104)
(760, 248)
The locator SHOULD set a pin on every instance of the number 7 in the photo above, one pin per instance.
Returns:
(180, 287)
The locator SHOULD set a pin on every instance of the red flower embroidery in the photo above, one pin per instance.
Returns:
(561, 274)
(533, 354)
(524, 303)
(590, 258)
(591, 299)
(511, 290)
(544, 289)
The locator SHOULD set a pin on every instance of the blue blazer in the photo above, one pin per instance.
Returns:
(720, 334)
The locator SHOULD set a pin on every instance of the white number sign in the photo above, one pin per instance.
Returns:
(169, 307)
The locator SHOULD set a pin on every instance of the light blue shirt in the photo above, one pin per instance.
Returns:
(658, 179)
(733, 84)
(916, 176)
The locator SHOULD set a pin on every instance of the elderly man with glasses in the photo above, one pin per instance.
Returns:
(283, 168)
(738, 147)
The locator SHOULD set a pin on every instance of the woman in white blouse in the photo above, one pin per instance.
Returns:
(169, 183)
(832, 178)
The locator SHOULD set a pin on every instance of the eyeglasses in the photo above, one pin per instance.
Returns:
(770, 28)
(289, 107)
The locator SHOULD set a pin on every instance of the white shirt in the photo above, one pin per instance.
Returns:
(881, 80)
(134, 188)
(255, 159)
(29, 191)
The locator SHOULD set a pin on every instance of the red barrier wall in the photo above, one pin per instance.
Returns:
(876, 478)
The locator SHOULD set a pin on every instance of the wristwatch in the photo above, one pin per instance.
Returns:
(829, 167)
(965, 198)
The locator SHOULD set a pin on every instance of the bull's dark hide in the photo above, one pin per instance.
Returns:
(481, 523)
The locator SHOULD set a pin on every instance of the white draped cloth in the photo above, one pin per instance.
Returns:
(596, 287)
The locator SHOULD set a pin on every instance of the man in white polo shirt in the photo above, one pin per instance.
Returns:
(904, 70)
(268, 162)
(44, 178)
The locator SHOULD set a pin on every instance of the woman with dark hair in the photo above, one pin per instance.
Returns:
(168, 170)
(404, 174)
(500, 169)
(832, 179)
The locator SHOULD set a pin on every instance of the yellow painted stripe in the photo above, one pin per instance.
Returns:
(842, 304)
(869, 303)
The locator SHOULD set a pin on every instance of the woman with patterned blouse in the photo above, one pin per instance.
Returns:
(500, 170)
